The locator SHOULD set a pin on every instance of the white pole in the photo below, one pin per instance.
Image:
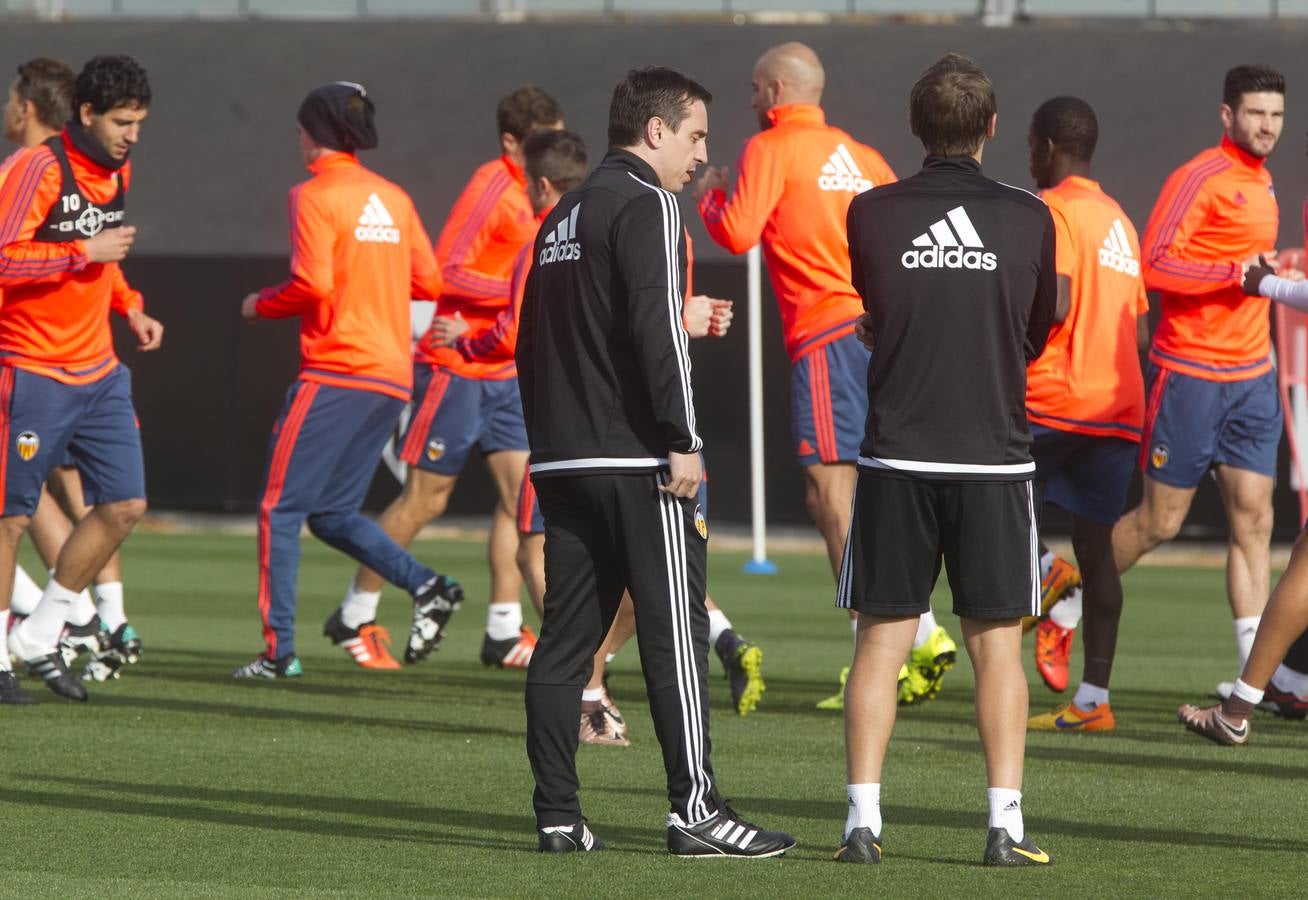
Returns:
(758, 564)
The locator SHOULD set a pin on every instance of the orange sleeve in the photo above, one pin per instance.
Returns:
(877, 167)
(1183, 207)
(472, 221)
(499, 340)
(311, 282)
(737, 224)
(26, 197)
(123, 298)
(1142, 302)
(424, 272)
(1065, 256)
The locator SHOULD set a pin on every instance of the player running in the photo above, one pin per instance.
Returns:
(463, 403)
(1085, 397)
(793, 186)
(358, 254)
(62, 389)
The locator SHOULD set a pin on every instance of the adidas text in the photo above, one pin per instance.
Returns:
(841, 173)
(561, 244)
(1119, 263)
(376, 225)
(949, 258)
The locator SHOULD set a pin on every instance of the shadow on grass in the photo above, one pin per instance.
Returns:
(204, 803)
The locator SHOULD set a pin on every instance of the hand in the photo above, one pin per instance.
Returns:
(711, 179)
(110, 245)
(248, 311)
(685, 472)
(721, 320)
(697, 315)
(863, 331)
(147, 330)
(1255, 271)
(445, 330)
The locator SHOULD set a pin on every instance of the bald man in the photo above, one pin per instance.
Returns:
(818, 169)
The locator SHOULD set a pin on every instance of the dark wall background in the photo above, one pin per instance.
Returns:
(219, 153)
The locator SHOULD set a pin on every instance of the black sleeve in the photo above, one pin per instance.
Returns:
(526, 343)
(1046, 295)
(650, 257)
(855, 258)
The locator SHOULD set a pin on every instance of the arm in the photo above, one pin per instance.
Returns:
(425, 278)
(1065, 260)
(1183, 208)
(311, 278)
(863, 327)
(737, 224)
(28, 193)
(1046, 295)
(523, 351)
(647, 255)
(472, 221)
(129, 304)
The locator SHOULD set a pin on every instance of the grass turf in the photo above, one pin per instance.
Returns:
(175, 780)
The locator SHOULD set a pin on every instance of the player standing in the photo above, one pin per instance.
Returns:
(957, 274)
(1085, 397)
(461, 403)
(795, 181)
(359, 253)
(62, 390)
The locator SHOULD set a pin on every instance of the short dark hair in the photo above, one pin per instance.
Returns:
(557, 156)
(1069, 123)
(48, 85)
(951, 106)
(649, 93)
(526, 110)
(107, 82)
(1253, 79)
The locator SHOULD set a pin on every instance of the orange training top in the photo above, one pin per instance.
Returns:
(794, 183)
(1088, 378)
(1214, 212)
(55, 316)
(487, 227)
(358, 254)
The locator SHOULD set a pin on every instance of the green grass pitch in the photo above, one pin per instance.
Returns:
(176, 781)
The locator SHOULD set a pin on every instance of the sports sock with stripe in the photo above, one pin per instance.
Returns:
(1066, 613)
(864, 808)
(43, 626)
(109, 604)
(1006, 811)
(1246, 629)
(359, 607)
(504, 620)
(926, 624)
(1088, 696)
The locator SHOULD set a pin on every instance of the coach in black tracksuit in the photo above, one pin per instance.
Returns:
(605, 377)
(957, 276)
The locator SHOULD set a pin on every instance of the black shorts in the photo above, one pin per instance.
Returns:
(903, 528)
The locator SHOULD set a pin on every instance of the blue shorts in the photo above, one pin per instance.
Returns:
(1192, 424)
(453, 414)
(42, 420)
(530, 521)
(1086, 475)
(828, 402)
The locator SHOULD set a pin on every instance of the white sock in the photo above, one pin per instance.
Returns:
(1066, 613)
(1006, 811)
(1088, 696)
(1288, 679)
(608, 658)
(44, 625)
(26, 593)
(853, 629)
(359, 607)
(5, 664)
(1245, 692)
(504, 620)
(82, 610)
(109, 604)
(718, 623)
(1046, 562)
(864, 808)
(1246, 629)
(926, 623)
(588, 695)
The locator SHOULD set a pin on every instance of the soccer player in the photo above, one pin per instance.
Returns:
(1212, 397)
(39, 104)
(62, 390)
(463, 403)
(606, 391)
(957, 274)
(1085, 397)
(795, 181)
(359, 253)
